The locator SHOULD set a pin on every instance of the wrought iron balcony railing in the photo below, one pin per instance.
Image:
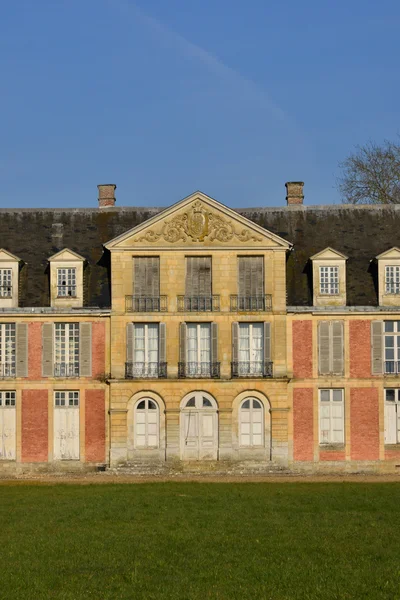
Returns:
(260, 368)
(251, 303)
(7, 370)
(146, 303)
(198, 303)
(199, 369)
(138, 370)
(65, 291)
(391, 367)
(66, 369)
(5, 291)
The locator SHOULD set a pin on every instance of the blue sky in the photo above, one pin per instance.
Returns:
(164, 97)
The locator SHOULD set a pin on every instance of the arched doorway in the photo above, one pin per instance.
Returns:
(199, 427)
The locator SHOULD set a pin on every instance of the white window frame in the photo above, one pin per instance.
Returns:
(251, 423)
(149, 367)
(392, 279)
(66, 399)
(252, 349)
(198, 366)
(8, 342)
(391, 364)
(396, 415)
(66, 350)
(8, 422)
(330, 404)
(145, 413)
(6, 278)
(329, 280)
(66, 282)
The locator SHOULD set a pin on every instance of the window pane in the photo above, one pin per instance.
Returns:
(246, 404)
(389, 326)
(142, 405)
(152, 405)
(325, 395)
(337, 395)
(390, 395)
(256, 404)
(191, 402)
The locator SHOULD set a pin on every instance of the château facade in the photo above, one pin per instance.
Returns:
(200, 334)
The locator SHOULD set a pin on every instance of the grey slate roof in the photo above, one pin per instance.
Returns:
(360, 232)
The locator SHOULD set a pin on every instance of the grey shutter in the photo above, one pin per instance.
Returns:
(235, 342)
(214, 342)
(85, 349)
(162, 343)
(129, 343)
(337, 348)
(198, 276)
(146, 276)
(251, 275)
(21, 366)
(47, 350)
(182, 343)
(267, 342)
(377, 347)
(324, 347)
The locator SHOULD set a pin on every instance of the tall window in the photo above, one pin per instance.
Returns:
(5, 283)
(198, 349)
(391, 346)
(331, 416)
(251, 423)
(7, 349)
(7, 425)
(251, 283)
(329, 280)
(251, 349)
(145, 349)
(198, 283)
(66, 425)
(66, 349)
(66, 282)
(146, 283)
(392, 416)
(392, 280)
(147, 424)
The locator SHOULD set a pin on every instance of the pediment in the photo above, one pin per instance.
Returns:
(329, 254)
(66, 255)
(198, 221)
(392, 253)
(6, 256)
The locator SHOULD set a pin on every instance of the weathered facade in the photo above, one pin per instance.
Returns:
(200, 335)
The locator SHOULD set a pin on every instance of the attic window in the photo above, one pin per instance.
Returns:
(5, 283)
(329, 280)
(66, 282)
(392, 280)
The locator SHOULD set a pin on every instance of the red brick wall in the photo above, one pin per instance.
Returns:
(360, 348)
(364, 424)
(95, 426)
(35, 445)
(302, 349)
(332, 455)
(392, 455)
(35, 350)
(303, 426)
(98, 348)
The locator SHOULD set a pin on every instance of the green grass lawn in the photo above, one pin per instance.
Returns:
(200, 540)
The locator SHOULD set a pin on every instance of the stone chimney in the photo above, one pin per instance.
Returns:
(106, 195)
(294, 192)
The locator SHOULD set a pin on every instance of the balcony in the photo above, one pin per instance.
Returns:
(140, 370)
(66, 291)
(251, 303)
(5, 291)
(196, 370)
(198, 303)
(260, 368)
(391, 367)
(145, 304)
(66, 369)
(7, 370)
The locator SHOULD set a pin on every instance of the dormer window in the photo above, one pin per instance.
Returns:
(389, 277)
(329, 280)
(392, 280)
(9, 275)
(6, 283)
(66, 282)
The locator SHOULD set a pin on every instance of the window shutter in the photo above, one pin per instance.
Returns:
(267, 342)
(182, 342)
(146, 276)
(390, 423)
(153, 277)
(129, 343)
(242, 276)
(47, 350)
(163, 343)
(377, 347)
(214, 342)
(235, 342)
(198, 276)
(251, 276)
(324, 347)
(337, 348)
(85, 350)
(22, 350)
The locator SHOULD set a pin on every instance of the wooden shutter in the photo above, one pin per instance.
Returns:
(146, 276)
(377, 347)
(129, 343)
(324, 346)
(22, 350)
(198, 276)
(47, 350)
(162, 332)
(235, 342)
(182, 342)
(267, 342)
(337, 347)
(390, 423)
(85, 349)
(251, 275)
(214, 342)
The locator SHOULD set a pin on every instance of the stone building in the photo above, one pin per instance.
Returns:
(201, 335)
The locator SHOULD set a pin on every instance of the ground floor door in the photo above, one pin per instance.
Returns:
(66, 433)
(7, 425)
(199, 428)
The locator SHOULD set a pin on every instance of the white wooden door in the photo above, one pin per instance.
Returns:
(7, 432)
(66, 433)
(199, 428)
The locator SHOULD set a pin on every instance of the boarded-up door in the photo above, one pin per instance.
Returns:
(66, 433)
(7, 432)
